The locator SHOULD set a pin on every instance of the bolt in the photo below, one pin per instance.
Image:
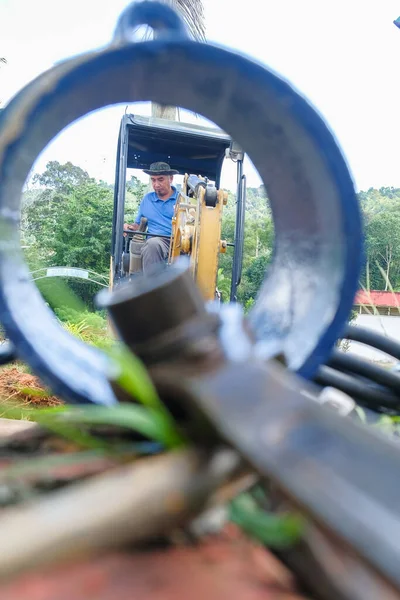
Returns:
(160, 314)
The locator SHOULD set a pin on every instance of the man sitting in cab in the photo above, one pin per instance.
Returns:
(158, 208)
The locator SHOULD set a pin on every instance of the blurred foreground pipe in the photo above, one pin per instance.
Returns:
(137, 502)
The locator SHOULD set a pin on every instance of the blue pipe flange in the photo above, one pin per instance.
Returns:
(309, 291)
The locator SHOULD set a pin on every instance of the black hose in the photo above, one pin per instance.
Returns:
(372, 396)
(345, 362)
(370, 385)
(375, 340)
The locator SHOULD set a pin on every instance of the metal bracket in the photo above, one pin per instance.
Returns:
(305, 301)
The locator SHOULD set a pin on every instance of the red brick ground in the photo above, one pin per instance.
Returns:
(225, 568)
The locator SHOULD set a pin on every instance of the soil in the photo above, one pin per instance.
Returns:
(19, 387)
(227, 566)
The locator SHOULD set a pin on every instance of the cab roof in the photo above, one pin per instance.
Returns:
(185, 147)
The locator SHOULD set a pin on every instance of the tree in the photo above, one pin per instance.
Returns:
(386, 199)
(383, 249)
(68, 222)
(62, 178)
(253, 278)
(258, 244)
(82, 237)
(135, 190)
(381, 212)
(75, 231)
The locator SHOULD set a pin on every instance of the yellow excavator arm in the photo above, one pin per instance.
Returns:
(196, 231)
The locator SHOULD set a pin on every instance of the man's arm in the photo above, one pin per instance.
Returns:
(135, 226)
(131, 227)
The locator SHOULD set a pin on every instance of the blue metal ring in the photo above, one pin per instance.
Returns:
(7, 353)
(308, 295)
(164, 22)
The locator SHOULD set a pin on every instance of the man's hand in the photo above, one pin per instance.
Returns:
(130, 227)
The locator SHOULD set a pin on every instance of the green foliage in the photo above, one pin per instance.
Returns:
(147, 415)
(92, 336)
(72, 316)
(135, 190)
(67, 221)
(383, 248)
(253, 278)
(383, 200)
(276, 531)
(258, 244)
(62, 178)
(82, 236)
(248, 305)
(131, 375)
(73, 231)
(381, 212)
(89, 327)
(381, 215)
(224, 285)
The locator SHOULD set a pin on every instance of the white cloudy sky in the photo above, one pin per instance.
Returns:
(343, 55)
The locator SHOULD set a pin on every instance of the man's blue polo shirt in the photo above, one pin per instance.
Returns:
(158, 213)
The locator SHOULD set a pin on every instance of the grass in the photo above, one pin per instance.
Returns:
(19, 386)
(277, 531)
(24, 395)
(146, 416)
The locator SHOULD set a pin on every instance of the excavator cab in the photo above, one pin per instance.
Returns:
(197, 153)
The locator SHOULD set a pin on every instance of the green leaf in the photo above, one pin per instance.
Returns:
(386, 424)
(132, 376)
(34, 392)
(129, 416)
(69, 422)
(361, 414)
(49, 421)
(276, 531)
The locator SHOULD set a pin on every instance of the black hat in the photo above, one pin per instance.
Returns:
(160, 168)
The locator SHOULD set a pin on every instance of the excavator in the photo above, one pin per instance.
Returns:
(197, 153)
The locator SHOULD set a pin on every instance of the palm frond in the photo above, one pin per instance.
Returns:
(192, 13)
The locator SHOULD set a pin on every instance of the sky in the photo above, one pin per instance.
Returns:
(343, 56)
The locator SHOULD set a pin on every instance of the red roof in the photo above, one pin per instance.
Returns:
(378, 298)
